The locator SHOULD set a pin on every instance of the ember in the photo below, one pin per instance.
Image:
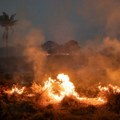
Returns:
(15, 89)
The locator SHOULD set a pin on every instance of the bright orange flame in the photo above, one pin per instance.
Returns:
(15, 90)
(36, 88)
(54, 90)
(109, 88)
(58, 89)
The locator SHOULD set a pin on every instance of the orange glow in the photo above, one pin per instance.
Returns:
(15, 89)
(109, 88)
(36, 88)
(58, 88)
(54, 91)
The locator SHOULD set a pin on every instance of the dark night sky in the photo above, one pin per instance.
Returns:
(62, 20)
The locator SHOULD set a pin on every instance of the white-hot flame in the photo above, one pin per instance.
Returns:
(58, 89)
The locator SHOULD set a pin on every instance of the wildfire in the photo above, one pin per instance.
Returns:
(109, 88)
(15, 89)
(36, 88)
(55, 90)
(59, 88)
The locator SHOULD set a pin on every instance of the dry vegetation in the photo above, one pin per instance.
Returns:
(22, 107)
(86, 69)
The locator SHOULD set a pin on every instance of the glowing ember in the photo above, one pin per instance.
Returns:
(30, 95)
(109, 88)
(15, 89)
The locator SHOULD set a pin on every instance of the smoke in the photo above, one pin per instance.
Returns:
(30, 39)
(35, 55)
(96, 61)
(100, 63)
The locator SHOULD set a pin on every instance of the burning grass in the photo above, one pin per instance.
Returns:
(112, 94)
(57, 99)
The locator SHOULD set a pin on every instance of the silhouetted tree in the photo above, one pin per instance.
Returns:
(50, 46)
(7, 22)
(72, 46)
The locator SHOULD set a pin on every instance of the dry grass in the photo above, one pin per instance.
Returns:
(19, 107)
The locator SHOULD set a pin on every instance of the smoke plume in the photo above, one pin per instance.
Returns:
(35, 54)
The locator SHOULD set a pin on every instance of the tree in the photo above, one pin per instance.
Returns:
(50, 46)
(7, 22)
(72, 47)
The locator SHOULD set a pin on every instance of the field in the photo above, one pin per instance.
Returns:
(22, 107)
(36, 104)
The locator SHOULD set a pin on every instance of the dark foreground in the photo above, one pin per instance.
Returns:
(21, 107)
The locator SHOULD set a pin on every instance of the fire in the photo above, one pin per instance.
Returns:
(36, 88)
(59, 88)
(15, 89)
(109, 88)
(55, 90)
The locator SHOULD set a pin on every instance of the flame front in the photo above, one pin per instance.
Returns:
(58, 89)
(15, 89)
(109, 88)
(54, 90)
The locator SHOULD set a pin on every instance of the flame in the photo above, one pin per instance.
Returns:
(15, 89)
(36, 88)
(54, 91)
(109, 88)
(58, 89)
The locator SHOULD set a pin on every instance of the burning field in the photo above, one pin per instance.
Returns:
(82, 84)
(57, 99)
(60, 60)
